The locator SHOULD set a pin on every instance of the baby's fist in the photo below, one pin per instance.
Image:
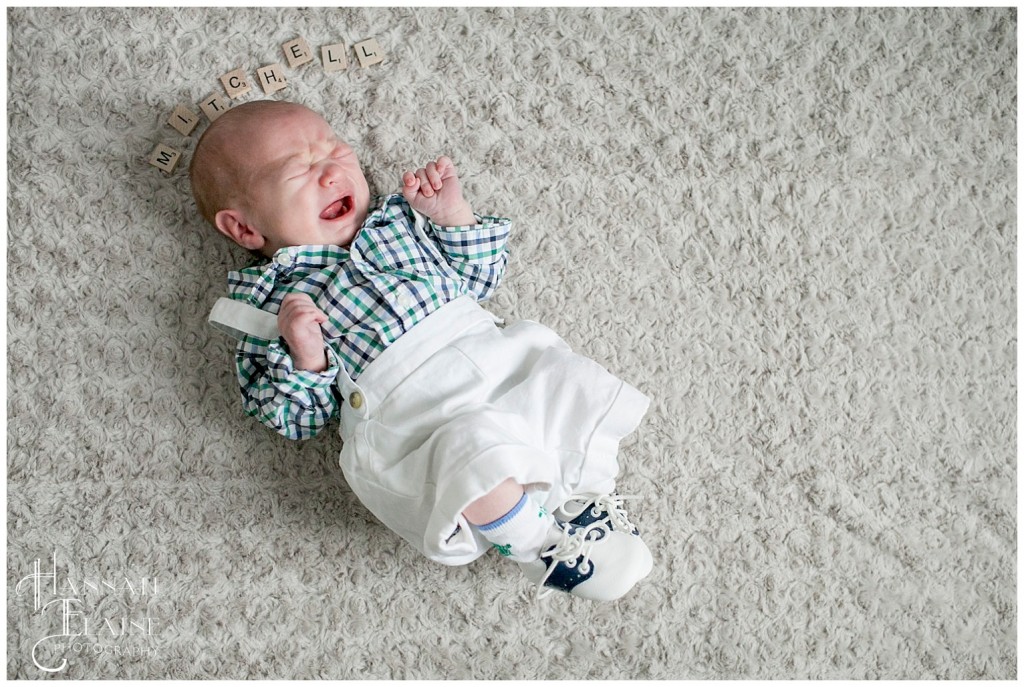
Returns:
(299, 321)
(435, 191)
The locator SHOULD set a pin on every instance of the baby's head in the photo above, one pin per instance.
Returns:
(270, 174)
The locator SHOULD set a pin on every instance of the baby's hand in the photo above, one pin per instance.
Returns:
(299, 321)
(435, 191)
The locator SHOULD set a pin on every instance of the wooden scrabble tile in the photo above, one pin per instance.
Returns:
(214, 106)
(272, 78)
(164, 158)
(369, 52)
(184, 120)
(236, 84)
(334, 57)
(297, 51)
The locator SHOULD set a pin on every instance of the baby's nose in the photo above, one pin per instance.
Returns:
(329, 175)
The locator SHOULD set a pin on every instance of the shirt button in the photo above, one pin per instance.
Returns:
(284, 259)
(356, 400)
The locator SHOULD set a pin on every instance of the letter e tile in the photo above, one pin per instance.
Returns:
(297, 51)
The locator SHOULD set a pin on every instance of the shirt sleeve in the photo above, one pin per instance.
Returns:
(477, 252)
(294, 403)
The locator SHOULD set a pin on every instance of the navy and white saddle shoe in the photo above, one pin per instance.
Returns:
(590, 509)
(593, 563)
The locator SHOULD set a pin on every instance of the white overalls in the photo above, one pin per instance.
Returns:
(456, 406)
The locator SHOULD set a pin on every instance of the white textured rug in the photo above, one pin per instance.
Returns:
(796, 230)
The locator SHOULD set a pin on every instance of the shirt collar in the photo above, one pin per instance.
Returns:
(287, 259)
(257, 281)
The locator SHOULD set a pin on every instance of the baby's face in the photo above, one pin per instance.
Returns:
(304, 184)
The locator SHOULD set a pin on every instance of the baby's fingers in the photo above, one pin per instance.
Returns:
(445, 167)
(410, 186)
(434, 176)
(426, 187)
(299, 306)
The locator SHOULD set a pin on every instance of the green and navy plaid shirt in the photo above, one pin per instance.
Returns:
(386, 281)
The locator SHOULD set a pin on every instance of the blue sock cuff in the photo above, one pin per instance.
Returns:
(504, 518)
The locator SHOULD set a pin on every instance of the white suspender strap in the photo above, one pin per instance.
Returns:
(238, 319)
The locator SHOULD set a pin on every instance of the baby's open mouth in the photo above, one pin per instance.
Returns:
(337, 209)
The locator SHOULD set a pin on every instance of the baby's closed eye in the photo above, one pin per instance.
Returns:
(341, 151)
(297, 172)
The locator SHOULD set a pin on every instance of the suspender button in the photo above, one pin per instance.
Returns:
(356, 400)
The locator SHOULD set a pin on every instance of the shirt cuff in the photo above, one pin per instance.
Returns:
(288, 379)
(483, 242)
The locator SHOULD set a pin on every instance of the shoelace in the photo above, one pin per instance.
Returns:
(572, 549)
(612, 504)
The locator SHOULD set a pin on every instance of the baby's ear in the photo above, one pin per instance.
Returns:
(232, 224)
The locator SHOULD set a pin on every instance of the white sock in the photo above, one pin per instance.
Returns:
(522, 532)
